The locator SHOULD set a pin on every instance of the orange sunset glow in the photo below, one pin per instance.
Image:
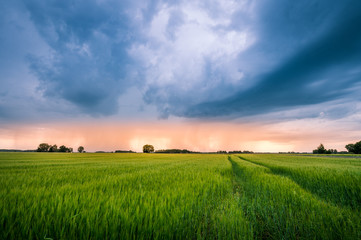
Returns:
(299, 136)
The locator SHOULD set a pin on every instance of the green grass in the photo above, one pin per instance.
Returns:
(178, 196)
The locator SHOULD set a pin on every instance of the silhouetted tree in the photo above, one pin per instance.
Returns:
(354, 148)
(357, 147)
(148, 148)
(80, 149)
(350, 147)
(321, 149)
(43, 147)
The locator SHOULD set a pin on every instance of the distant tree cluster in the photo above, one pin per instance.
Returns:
(45, 147)
(354, 147)
(237, 152)
(64, 148)
(230, 152)
(222, 152)
(293, 152)
(16, 150)
(173, 151)
(322, 150)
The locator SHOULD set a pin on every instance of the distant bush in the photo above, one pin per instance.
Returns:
(124, 151)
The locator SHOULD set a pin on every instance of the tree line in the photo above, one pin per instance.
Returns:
(150, 149)
(45, 147)
(351, 148)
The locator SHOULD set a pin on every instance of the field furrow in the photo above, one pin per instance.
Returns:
(340, 186)
(280, 208)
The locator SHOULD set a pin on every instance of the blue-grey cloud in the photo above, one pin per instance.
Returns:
(88, 65)
(189, 59)
(323, 69)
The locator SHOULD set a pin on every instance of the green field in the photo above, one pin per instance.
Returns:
(179, 196)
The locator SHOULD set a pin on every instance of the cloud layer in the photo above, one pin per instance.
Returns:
(324, 69)
(198, 59)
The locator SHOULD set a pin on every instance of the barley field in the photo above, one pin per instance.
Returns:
(179, 196)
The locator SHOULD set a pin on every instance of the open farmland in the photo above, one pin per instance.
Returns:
(179, 196)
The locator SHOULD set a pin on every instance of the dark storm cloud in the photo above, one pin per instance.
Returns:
(323, 69)
(89, 64)
(189, 59)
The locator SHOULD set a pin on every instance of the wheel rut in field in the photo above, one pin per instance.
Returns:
(235, 170)
(260, 187)
(287, 174)
(253, 199)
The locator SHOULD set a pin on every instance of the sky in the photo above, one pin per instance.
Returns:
(209, 75)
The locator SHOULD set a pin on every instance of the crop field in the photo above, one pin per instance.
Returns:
(179, 196)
